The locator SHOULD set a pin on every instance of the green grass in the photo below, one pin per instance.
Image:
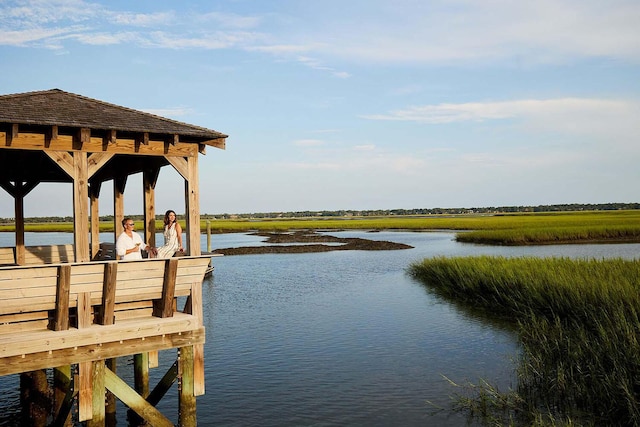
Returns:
(579, 327)
(511, 229)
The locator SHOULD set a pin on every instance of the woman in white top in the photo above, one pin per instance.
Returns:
(129, 244)
(172, 236)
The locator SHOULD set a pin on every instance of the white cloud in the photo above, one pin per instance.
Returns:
(561, 110)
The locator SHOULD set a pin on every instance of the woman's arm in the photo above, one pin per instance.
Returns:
(179, 234)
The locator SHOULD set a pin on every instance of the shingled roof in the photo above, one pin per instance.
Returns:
(60, 108)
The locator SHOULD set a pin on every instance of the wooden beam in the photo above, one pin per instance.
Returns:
(94, 215)
(12, 134)
(63, 395)
(143, 138)
(109, 138)
(50, 135)
(82, 136)
(63, 160)
(149, 180)
(134, 401)
(39, 142)
(81, 206)
(97, 161)
(180, 165)
(119, 185)
(164, 385)
(19, 216)
(218, 143)
(192, 199)
(83, 353)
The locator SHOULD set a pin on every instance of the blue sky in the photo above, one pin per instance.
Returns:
(354, 104)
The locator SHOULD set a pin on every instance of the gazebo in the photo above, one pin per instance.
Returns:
(61, 137)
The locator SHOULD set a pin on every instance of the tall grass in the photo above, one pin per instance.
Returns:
(578, 323)
(512, 229)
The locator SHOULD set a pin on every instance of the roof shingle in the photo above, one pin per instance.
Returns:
(57, 107)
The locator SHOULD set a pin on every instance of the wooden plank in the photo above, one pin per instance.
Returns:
(138, 328)
(163, 307)
(7, 256)
(134, 401)
(49, 254)
(46, 359)
(28, 275)
(61, 319)
(106, 308)
(35, 304)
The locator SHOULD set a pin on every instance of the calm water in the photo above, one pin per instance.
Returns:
(337, 338)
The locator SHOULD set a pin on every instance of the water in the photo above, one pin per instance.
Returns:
(337, 338)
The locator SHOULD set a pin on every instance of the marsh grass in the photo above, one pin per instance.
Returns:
(511, 229)
(578, 325)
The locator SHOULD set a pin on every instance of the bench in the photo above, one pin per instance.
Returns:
(34, 255)
(51, 314)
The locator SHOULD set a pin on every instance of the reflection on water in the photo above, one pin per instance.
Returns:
(339, 338)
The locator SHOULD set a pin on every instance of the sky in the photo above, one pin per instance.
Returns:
(353, 104)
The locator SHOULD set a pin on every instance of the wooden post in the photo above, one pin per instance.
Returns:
(62, 395)
(97, 395)
(118, 206)
(187, 399)
(94, 191)
(141, 383)
(150, 177)
(19, 214)
(164, 306)
(81, 206)
(208, 236)
(106, 316)
(62, 384)
(85, 369)
(192, 201)
(34, 397)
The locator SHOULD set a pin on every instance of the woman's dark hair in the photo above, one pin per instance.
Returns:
(166, 216)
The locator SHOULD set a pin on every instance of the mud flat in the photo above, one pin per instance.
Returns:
(310, 241)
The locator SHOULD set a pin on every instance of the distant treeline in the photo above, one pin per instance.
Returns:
(377, 212)
(435, 211)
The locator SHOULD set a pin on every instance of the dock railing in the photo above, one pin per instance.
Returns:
(78, 313)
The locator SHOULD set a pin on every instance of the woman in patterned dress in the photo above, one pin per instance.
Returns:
(172, 236)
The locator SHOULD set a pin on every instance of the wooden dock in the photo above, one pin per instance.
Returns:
(81, 315)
